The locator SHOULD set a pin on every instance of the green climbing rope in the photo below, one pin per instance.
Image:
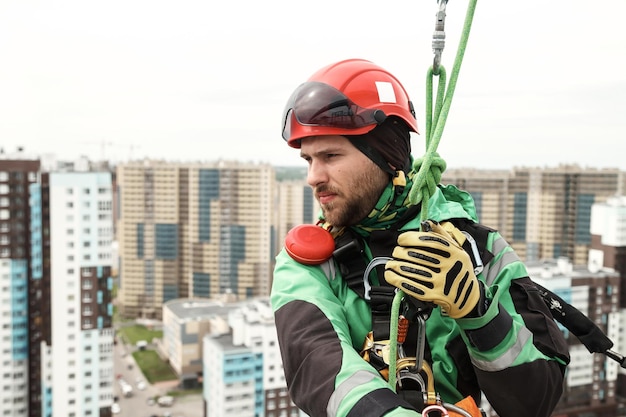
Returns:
(431, 166)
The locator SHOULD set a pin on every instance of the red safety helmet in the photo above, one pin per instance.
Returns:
(349, 97)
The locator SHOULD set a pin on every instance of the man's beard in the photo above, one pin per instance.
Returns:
(358, 198)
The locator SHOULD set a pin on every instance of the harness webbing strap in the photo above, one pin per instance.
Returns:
(350, 256)
(381, 300)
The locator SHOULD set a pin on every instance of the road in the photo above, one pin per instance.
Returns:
(137, 405)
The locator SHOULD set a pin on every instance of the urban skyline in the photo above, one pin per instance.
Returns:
(197, 231)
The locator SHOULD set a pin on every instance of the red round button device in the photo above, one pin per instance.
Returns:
(309, 244)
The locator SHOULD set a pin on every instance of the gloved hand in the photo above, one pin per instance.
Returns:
(431, 266)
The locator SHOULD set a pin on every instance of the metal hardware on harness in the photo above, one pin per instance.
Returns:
(456, 409)
(410, 368)
(381, 260)
(479, 262)
(439, 36)
(434, 408)
(421, 340)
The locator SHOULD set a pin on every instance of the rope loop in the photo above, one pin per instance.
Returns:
(429, 168)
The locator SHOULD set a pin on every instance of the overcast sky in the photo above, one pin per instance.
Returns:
(542, 82)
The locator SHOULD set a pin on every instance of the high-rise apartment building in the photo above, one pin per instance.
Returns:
(296, 205)
(17, 331)
(56, 333)
(543, 213)
(71, 237)
(591, 379)
(243, 373)
(608, 249)
(193, 230)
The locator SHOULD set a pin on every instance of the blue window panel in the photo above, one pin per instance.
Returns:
(520, 213)
(201, 284)
(273, 246)
(237, 252)
(166, 245)
(208, 190)
(307, 204)
(19, 308)
(170, 292)
(140, 240)
(149, 277)
(36, 260)
(582, 235)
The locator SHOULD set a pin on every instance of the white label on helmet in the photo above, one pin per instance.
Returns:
(385, 92)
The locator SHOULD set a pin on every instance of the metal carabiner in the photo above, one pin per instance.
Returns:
(439, 36)
(435, 408)
(381, 260)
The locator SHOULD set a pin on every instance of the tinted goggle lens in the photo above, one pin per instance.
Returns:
(319, 104)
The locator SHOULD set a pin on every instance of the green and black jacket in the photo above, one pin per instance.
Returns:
(514, 354)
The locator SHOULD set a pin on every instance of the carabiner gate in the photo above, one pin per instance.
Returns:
(439, 36)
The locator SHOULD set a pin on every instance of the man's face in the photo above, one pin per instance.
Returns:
(346, 183)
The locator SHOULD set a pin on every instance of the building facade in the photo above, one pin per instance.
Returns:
(591, 379)
(608, 250)
(55, 291)
(296, 205)
(193, 230)
(185, 323)
(544, 213)
(17, 330)
(71, 248)
(243, 374)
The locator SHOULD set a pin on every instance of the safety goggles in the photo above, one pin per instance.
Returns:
(318, 104)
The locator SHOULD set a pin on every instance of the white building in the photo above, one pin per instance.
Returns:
(243, 374)
(185, 323)
(591, 379)
(77, 358)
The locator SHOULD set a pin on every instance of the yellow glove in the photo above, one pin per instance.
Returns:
(431, 266)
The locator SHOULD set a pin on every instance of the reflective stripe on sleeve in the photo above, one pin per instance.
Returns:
(492, 269)
(507, 358)
(358, 378)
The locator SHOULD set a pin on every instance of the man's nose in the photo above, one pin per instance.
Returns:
(316, 174)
